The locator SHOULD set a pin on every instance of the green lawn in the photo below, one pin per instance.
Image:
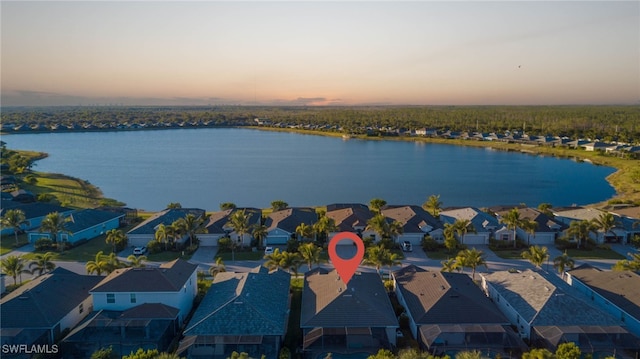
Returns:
(441, 254)
(167, 256)
(82, 253)
(8, 243)
(597, 253)
(509, 253)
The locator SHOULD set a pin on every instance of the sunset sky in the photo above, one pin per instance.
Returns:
(320, 53)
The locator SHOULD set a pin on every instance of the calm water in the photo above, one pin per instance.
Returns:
(205, 167)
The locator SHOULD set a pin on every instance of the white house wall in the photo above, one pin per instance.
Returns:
(74, 317)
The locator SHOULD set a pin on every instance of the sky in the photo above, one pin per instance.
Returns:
(319, 53)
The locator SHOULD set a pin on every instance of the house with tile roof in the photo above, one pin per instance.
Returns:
(617, 293)
(140, 235)
(147, 326)
(281, 225)
(548, 312)
(547, 229)
(243, 312)
(218, 226)
(568, 215)
(173, 283)
(485, 225)
(449, 311)
(351, 218)
(346, 318)
(33, 212)
(416, 223)
(40, 310)
(83, 225)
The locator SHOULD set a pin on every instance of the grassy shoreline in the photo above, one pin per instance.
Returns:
(625, 180)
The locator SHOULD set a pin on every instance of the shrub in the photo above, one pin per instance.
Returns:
(285, 353)
(30, 179)
(386, 243)
(43, 244)
(635, 241)
(224, 244)
(292, 245)
(45, 197)
(154, 247)
(429, 244)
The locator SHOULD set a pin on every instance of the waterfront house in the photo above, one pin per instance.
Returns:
(39, 311)
(281, 225)
(218, 226)
(448, 311)
(140, 235)
(173, 283)
(485, 225)
(547, 311)
(416, 223)
(350, 218)
(341, 318)
(243, 312)
(616, 235)
(617, 293)
(83, 225)
(629, 218)
(33, 212)
(547, 229)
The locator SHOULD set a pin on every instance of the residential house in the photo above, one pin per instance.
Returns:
(616, 235)
(34, 213)
(351, 218)
(346, 318)
(83, 225)
(146, 231)
(416, 223)
(173, 283)
(218, 226)
(629, 219)
(617, 293)
(548, 312)
(39, 311)
(242, 312)
(485, 226)
(23, 196)
(598, 146)
(146, 326)
(448, 311)
(547, 229)
(281, 225)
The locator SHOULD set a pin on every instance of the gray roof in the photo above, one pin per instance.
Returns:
(254, 303)
(413, 218)
(45, 300)
(545, 224)
(87, 218)
(289, 219)
(33, 210)
(166, 217)
(480, 220)
(620, 288)
(328, 303)
(218, 221)
(542, 303)
(169, 277)
(445, 298)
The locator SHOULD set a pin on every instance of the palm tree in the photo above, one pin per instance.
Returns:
(536, 255)
(530, 226)
(162, 235)
(239, 221)
(115, 236)
(13, 266)
(580, 230)
(310, 253)
(291, 261)
(136, 261)
(546, 209)
(563, 262)
(631, 265)
(395, 229)
(461, 227)
(380, 225)
(174, 232)
(513, 221)
(450, 265)
(376, 204)
(273, 259)
(433, 205)
(279, 205)
(54, 223)
(192, 225)
(450, 241)
(43, 263)
(379, 256)
(471, 258)
(323, 226)
(14, 218)
(606, 222)
(219, 267)
(304, 230)
(259, 232)
(99, 265)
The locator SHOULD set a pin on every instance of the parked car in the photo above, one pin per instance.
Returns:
(268, 250)
(138, 251)
(406, 246)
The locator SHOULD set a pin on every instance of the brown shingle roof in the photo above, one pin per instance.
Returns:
(347, 219)
(413, 218)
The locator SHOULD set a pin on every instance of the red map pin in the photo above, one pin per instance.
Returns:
(346, 267)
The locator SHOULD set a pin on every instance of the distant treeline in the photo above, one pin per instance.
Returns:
(607, 123)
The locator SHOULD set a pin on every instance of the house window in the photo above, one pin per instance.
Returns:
(505, 236)
(133, 297)
(111, 298)
(81, 308)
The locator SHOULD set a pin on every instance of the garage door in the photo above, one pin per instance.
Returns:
(271, 240)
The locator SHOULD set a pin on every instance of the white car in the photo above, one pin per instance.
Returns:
(407, 247)
(138, 251)
(268, 250)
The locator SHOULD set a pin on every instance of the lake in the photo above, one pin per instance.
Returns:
(205, 167)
